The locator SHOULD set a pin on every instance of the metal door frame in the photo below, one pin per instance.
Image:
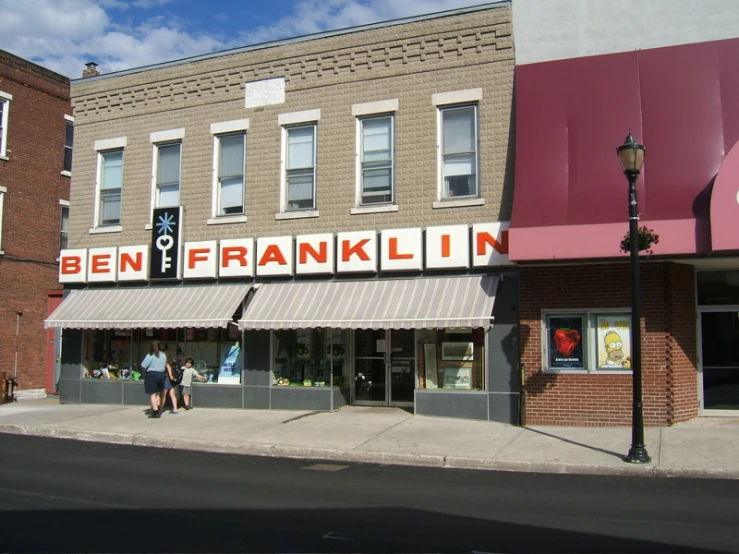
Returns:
(699, 348)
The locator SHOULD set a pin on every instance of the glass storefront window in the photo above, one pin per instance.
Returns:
(117, 354)
(452, 359)
(309, 358)
(716, 288)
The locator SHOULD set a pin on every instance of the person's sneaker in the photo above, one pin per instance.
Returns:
(155, 415)
(188, 407)
(148, 412)
(173, 412)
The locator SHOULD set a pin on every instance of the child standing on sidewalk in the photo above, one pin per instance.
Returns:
(187, 376)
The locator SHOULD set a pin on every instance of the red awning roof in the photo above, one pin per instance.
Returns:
(681, 102)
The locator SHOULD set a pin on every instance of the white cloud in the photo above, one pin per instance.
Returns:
(63, 35)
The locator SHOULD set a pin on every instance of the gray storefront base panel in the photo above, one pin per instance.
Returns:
(217, 396)
(464, 405)
(70, 371)
(341, 397)
(301, 398)
(69, 391)
(256, 359)
(134, 395)
(256, 398)
(503, 407)
(101, 391)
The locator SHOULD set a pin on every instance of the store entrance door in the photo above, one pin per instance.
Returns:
(384, 367)
(719, 356)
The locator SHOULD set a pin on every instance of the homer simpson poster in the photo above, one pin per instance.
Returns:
(614, 342)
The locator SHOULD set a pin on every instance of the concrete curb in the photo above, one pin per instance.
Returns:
(356, 456)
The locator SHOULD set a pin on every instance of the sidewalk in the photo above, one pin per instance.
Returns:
(705, 447)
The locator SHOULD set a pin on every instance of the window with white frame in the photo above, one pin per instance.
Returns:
(589, 341)
(68, 143)
(230, 174)
(110, 185)
(300, 168)
(168, 174)
(376, 160)
(5, 99)
(3, 190)
(459, 152)
(63, 224)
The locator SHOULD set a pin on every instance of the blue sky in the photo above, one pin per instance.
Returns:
(63, 35)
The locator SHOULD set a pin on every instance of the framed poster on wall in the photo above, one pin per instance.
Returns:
(457, 377)
(457, 351)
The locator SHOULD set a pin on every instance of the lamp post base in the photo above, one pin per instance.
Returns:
(638, 455)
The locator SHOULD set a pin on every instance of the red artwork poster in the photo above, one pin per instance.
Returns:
(565, 342)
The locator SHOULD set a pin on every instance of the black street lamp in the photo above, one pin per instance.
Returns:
(631, 156)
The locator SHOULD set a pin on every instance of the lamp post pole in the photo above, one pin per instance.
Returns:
(631, 155)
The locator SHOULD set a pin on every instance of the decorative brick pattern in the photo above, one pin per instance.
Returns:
(408, 62)
(670, 390)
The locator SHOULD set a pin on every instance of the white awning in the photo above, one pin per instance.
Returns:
(421, 303)
(149, 307)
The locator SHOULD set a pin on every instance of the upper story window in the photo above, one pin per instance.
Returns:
(231, 153)
(168, 174)
(298, 192)
(68, 143)
(300, 168)
(229, 158)
(167, 161)
(109, 181)
(459, 152)
(63, 224)
(458, 144)
(376, 160)
(5, 99)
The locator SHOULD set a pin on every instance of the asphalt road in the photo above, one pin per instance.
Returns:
(58, 495)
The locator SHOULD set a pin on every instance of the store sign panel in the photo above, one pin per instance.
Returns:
(314, 254)
(402, 250)
(236, 258)
(445, 247)
(166, 236)
(101, 264)
(490, 244)
(200, 260)
(73, 266)
(448, 247)
(274, 256)
(133, 263)
(356, 252)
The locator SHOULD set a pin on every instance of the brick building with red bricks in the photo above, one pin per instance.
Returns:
(35, 169)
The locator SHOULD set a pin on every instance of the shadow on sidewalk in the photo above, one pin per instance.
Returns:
(596, 449)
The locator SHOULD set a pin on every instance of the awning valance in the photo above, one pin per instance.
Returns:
(423, 303)
(150, 307)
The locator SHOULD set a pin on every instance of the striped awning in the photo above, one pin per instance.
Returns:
(150, 307)
(422, 303)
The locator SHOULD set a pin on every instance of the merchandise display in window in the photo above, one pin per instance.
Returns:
(310, 358)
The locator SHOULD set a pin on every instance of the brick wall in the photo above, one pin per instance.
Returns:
(668, 325)
(31, 218)
(408, 62)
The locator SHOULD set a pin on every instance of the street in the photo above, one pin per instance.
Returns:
(60, 495)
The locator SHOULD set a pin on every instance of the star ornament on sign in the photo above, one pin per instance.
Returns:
(165, 225)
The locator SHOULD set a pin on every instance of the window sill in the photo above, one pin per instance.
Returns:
(297, 215)
(225, 220)
(2, 252)
(374, 209)
(588, 372)
(458, 203)
(5, 158)
(105, 230)
(67, 173)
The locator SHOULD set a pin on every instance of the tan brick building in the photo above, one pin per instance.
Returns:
(388, 145)
(35, 168)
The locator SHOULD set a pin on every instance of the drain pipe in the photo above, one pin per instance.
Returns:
(18, 314)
